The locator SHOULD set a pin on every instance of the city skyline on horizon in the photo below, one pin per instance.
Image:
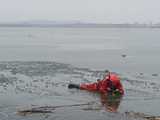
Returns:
(45, 21)
(94, 11)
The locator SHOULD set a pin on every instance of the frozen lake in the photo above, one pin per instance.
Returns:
(38, 63)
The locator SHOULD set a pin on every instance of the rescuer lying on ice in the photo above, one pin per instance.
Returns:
(109, 85)
(110, 89)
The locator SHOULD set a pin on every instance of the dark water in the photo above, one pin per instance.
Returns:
(37, 64)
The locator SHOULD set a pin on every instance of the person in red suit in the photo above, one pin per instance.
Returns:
(110, 84)
(110, 89)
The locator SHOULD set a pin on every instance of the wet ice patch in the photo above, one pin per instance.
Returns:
(52, 78)
(141, 86)
(42, 77)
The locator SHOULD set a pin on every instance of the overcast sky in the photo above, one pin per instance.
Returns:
(106, 11)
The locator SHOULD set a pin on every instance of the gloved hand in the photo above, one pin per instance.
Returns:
(71, 86)
(117, 93)
(114, 95)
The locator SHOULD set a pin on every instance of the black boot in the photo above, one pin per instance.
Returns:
(70, 86)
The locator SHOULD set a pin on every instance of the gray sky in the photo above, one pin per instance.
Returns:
(115, 11)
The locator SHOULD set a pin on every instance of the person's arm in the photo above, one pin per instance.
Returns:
(89, 86)
(85, 86)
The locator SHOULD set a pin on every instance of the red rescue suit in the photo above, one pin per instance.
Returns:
(103, 86)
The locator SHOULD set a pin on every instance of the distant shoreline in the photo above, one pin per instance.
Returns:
(85, 25)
